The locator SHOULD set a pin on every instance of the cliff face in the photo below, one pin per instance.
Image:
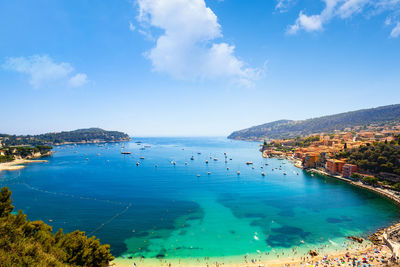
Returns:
(24, 152)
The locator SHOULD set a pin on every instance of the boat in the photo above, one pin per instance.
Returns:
(123, 151)
(208, 173)
(198, 153)
(141, 157)
(263, 174)
(215, 159)
(249, 163)
(198, 175)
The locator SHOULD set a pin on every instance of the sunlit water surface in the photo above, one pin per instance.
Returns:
(196, 210)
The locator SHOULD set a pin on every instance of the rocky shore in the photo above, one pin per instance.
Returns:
(19, 163)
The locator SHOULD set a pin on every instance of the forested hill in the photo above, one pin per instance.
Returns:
(91, 135)
(326, 124)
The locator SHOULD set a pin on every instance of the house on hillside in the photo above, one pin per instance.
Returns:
(334, 166)
(348, 170)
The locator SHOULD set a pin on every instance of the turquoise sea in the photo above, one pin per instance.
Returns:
(196, 210)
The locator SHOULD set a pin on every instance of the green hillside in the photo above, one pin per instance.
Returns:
(76, 136)
(326, 124)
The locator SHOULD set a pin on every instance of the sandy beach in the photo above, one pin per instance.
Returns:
(367, 256)
(17, 164)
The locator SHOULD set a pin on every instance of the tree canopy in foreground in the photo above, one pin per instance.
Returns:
(32, 243)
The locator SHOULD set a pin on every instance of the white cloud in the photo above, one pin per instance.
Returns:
(350, 7)
(187, 48)
(314, 22)
(283, 5)
(343, 9)
(396, 31)
(132, 27)
(308, 23)
(42, 70)
(78, 80)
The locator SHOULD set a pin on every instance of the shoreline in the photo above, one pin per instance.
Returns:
(292, 261)
(92, 142)
(381, 235)
(18, 164)
(379, 250)
(381, 191)
(325, 259)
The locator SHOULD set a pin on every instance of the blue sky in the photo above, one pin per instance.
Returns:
(192, 67)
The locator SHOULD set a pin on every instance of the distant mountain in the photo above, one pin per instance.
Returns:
(289, 128)
(91, 135)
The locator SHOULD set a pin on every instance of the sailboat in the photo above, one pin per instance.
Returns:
(123, 151)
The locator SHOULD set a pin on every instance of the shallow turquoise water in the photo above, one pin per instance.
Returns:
(169, 212)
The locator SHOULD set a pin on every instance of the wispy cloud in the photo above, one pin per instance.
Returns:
(78, 80)
(283, 5)
(344, 9)
(188, 48)
(396, 31)
(132, 27)
(42, 70)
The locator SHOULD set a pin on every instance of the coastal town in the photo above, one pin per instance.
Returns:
(327, 152)
(333, 155)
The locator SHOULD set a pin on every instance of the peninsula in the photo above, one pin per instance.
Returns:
(16, 150)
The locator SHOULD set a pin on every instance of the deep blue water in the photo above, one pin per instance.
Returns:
(168, 211)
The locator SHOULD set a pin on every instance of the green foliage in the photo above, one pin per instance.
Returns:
(396, 186)
(5, 202)
(356, 176)
(76, 136)
(287, 128)
(23, 152)
(375, 158)
(26, 243)
(370, 180)
(305, 142)
(6, 158)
